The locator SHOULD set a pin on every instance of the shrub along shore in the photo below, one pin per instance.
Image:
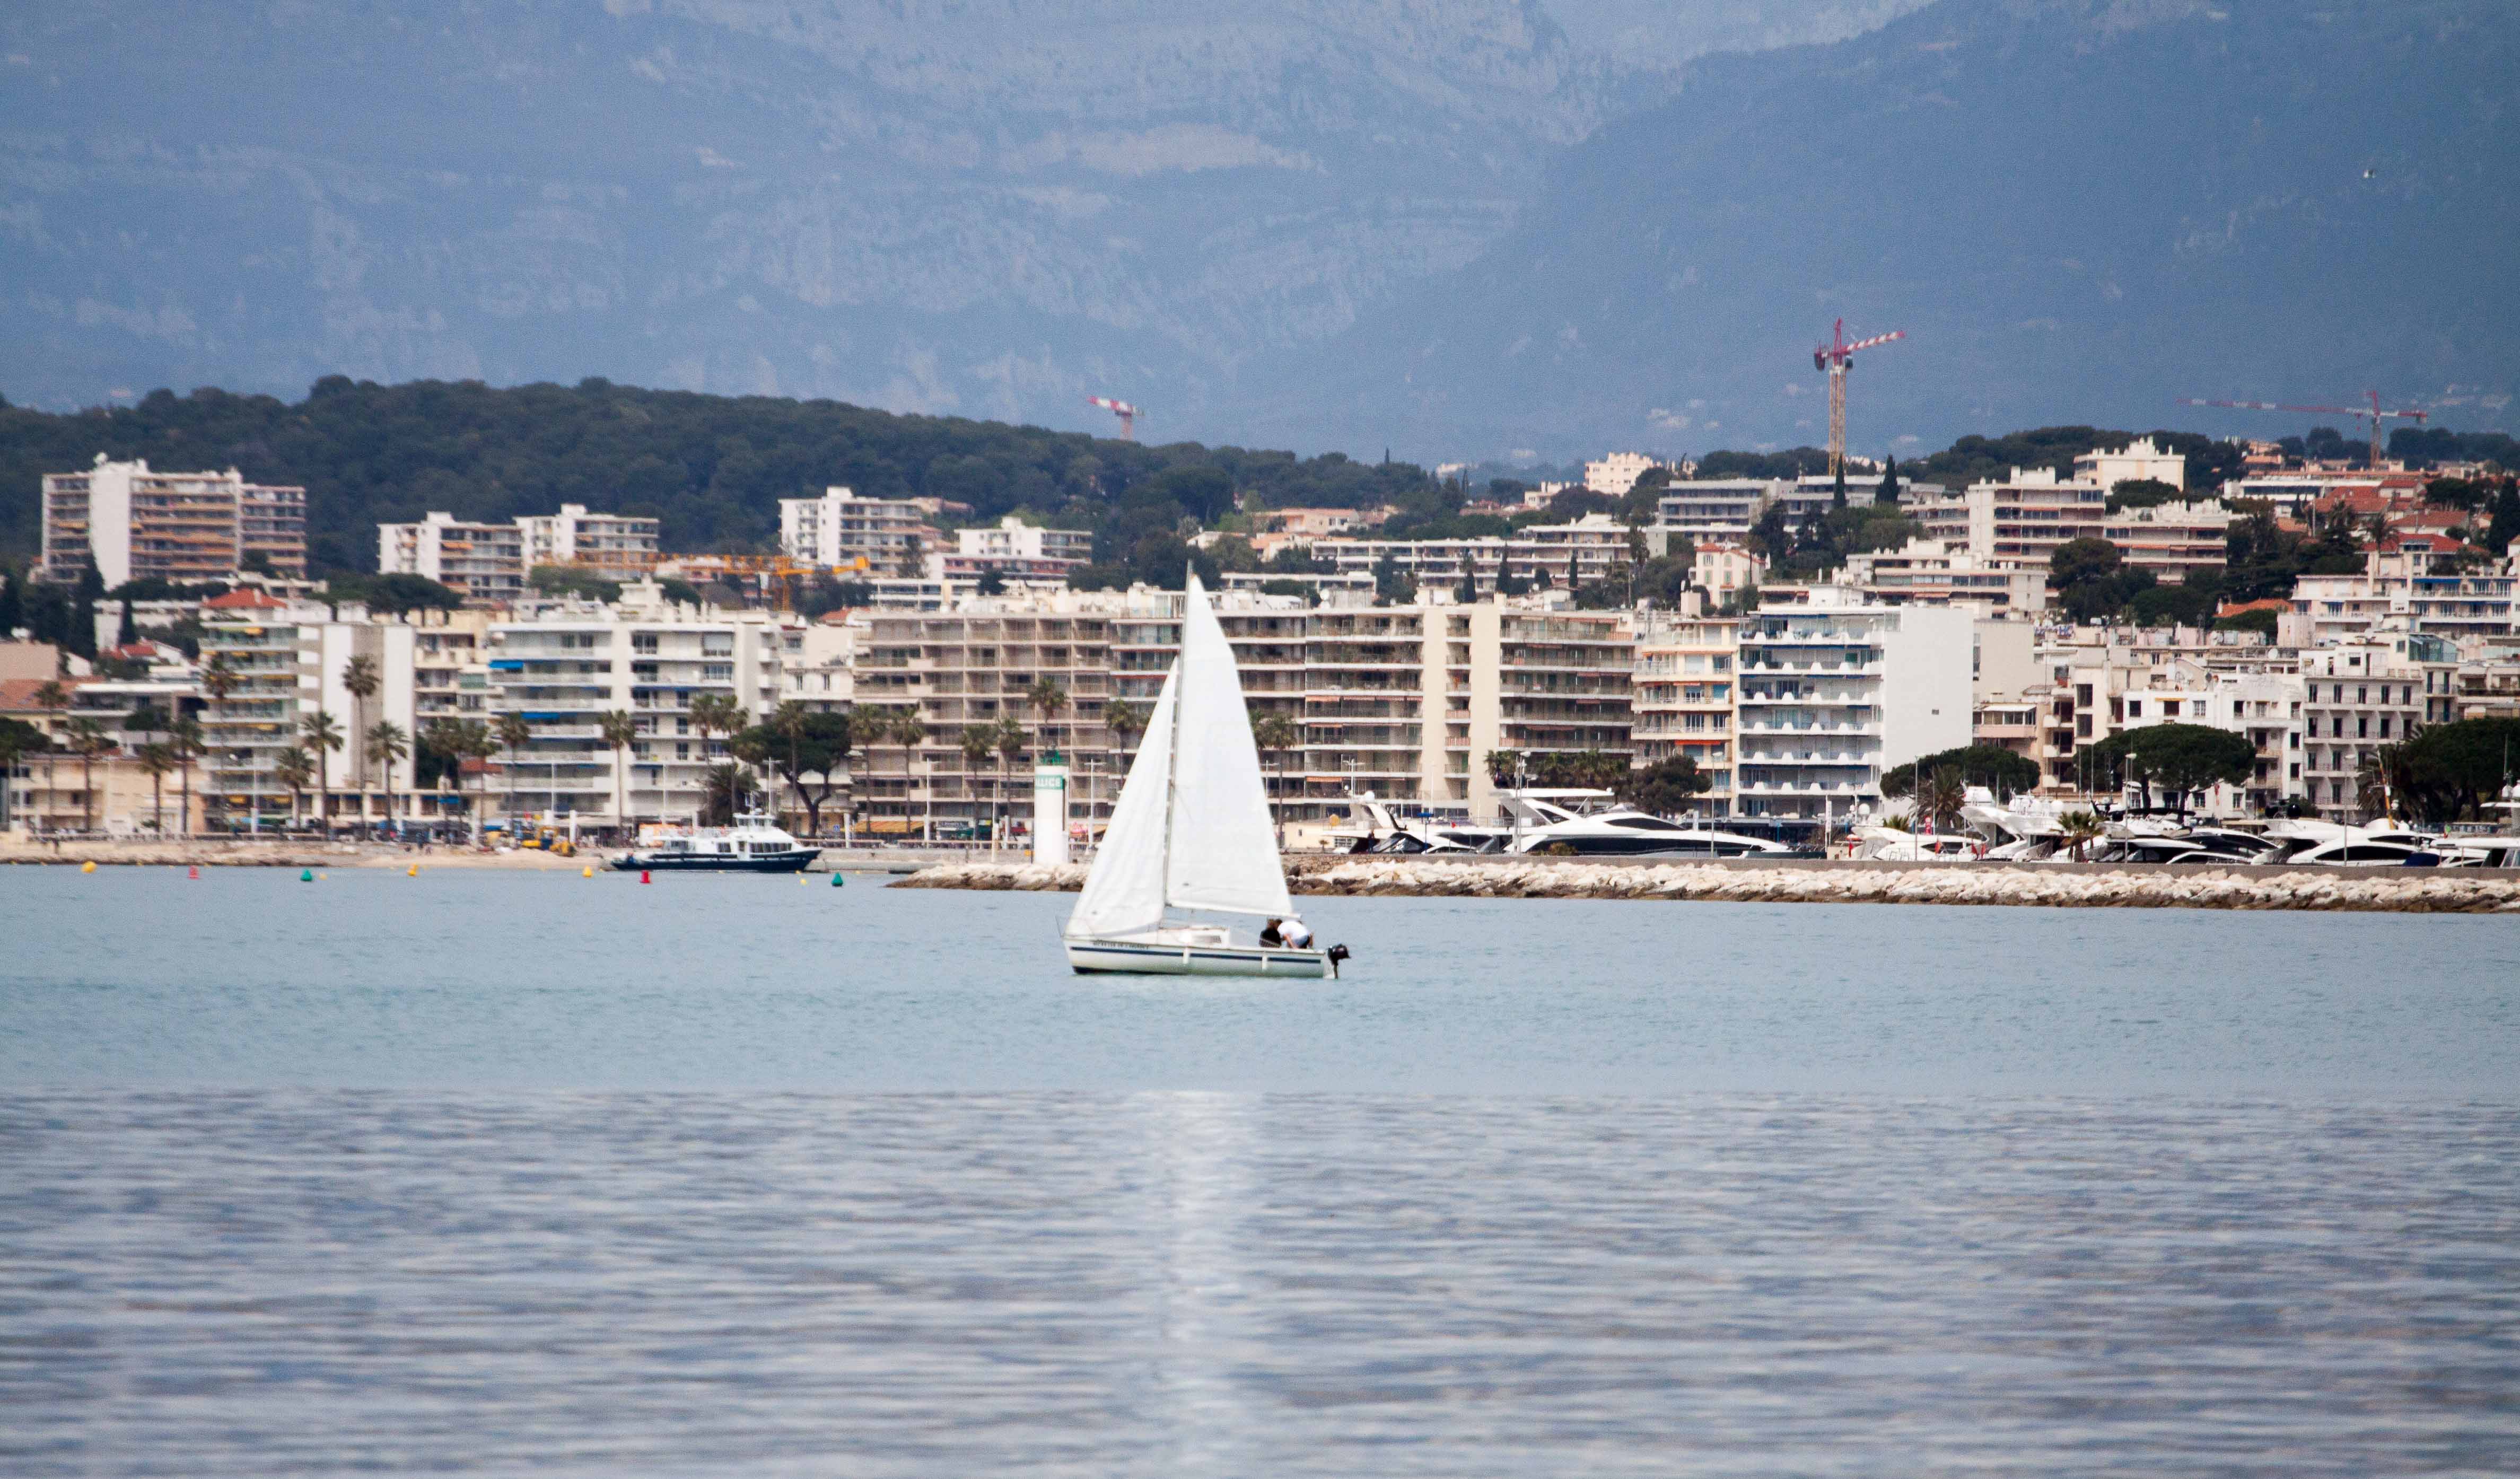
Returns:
(2414, 890)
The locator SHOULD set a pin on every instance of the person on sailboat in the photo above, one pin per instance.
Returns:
(1270, 936)
(1296, 934)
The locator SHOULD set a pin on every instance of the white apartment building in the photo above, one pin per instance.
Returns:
(1587, 550)
(136, 523)
(1682, 700)
(615, 545)
(1615, 475)
(1014, 541)
(483, 562)
(2174, 539)
(2022, 518)
(2398, 588)
(844, 531)
(290, 660)
(563, 665)
(2137, 461)
(2365, 697)
(1711, 510)
(1834, 693)
(1929, 572)
(2265, 707)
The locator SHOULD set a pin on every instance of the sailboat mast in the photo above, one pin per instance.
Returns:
(1172, 741)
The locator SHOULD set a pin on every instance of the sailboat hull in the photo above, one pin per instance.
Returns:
(1162, 958)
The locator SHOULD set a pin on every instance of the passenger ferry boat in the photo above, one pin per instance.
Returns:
(753, 844)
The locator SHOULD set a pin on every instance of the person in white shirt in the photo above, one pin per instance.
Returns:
(1296, 934)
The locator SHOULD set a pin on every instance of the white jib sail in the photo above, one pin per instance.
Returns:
(1124, 892)
(1224, 852)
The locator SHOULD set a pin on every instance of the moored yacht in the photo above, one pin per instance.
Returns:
(753, 844)
(1590, 823)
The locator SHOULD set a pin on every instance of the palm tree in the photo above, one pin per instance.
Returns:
(1009, 741)
(360, 680)
(184, 737)
(2080, 827)
(294, 770)
(1046, 699)
(16, 740)
(788, 721)
(219, 679)
(908, 730)
(322, 732)
(514, 733)
(2375, 782)
(156, 759)
(619, 730)
(1277, 734)
(388, 743)
(89, 741)
(1944, 796)
(978, 742)
(722, 795)
(1126, 720)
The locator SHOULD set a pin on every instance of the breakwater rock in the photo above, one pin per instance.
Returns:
(2388, 890)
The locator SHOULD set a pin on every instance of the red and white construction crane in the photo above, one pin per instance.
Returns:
(2370, 413)
(1127, 413)
(1831, 359)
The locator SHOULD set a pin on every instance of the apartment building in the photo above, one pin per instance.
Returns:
(2265, 707)
(2361, 699)
(2172, 540)
(561, 665)
(1832, 692)
(1403, 701)
(2140, 461)
(845, 531)
(2022, 518)
(1586, 550)
(1726, 570)
(613, 546)
(1615, 475)
(482, 562)
(290, 660)
(136, 524)
(1682, 700)
(1929, 572)
(2398, 586)
(1711, 510)
(450, 670)
(1012, 541)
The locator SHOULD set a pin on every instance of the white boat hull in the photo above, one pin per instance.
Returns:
(1173, 958)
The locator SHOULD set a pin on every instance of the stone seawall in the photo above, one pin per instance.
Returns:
(2387, 889)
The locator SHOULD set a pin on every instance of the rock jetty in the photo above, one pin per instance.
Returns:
(2383, 890)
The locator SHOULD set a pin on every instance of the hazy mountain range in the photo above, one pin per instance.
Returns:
(1457, 227)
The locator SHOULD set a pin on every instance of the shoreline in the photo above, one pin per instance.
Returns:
(2393, 890)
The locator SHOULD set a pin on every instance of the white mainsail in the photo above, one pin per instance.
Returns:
(1192, 829)
(1224, 852)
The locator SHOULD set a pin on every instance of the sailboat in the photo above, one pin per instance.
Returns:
(1191, 835)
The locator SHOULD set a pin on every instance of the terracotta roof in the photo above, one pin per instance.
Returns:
(17, 694)
(246, 599)
(2270, 603)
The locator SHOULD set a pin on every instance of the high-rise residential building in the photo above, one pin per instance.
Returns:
(844, 531)
(613, 546)
(1683, 699)
(292, 662)
(1614, 475)
(561, 665)
(483, 562)
(2023, 518)
(137, 525)
(2362, 698)
(1403, 701)
(1711, 510)
(1835, 693)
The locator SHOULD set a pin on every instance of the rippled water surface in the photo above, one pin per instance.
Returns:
(503, 1174)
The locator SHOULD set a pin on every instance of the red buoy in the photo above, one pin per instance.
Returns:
(642, 877)
(194, 871)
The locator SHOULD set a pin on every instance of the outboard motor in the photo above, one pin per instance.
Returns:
(1338, 952)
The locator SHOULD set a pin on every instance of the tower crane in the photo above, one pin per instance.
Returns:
(2370, 413)
(1127, 413)
(1832, 359)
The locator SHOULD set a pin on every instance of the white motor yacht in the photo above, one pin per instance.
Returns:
(1592, 824)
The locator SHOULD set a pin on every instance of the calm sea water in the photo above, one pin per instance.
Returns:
(506, 1173)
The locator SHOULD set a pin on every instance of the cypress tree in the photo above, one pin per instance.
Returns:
(1838, 493)
(81, 636)
(2507, 517)
(1888, 492)
(12, 606)
(128, 631)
